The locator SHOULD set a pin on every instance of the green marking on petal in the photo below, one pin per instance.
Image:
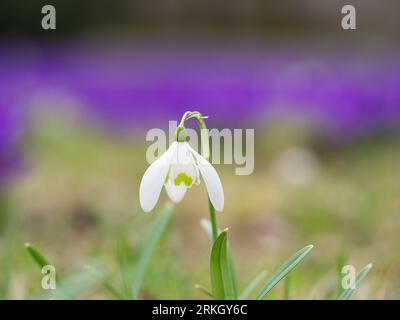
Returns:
(166, 178)
(183, 177)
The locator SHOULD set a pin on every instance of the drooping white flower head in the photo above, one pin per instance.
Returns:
(178, 169)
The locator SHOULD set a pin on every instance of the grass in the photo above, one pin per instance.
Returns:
(80, 193)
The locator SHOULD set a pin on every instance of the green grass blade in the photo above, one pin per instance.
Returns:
(9, 231)
(36, 255)
(110, 288)
(222, 281)
(39, 258)
(149, 247)
(74, 285)
(217, 284)
(206, 225)
(346, 294)
(233, 273)
(283, 270)
(286, 289)
(252, 285)
(123, 266)
(204, 290)
(104, 282)
(227, 272)
(340, 262)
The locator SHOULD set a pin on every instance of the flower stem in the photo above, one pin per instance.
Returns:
(185, 117)
(205, 152)
(213, 219)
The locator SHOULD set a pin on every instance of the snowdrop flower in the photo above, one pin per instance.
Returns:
(178, 169)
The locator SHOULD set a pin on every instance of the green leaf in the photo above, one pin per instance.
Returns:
(74, 285)
(222, 281)
(36, 255)
(9, 230)
(39, 258)
(215, 268)
(104, 282)
(67, 288)
(206, 225)
(122, 262)
(283, 270)
(286, 289)
(359, 278)
(149, 247)
(233, 272)
(228, 275)
(204, 290)
(110, 288)
(340, 262)
(252, 285)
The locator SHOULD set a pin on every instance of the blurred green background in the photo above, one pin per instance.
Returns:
(76, 103)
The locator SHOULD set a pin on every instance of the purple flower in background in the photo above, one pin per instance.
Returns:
(9, 153)
(125, 85)
(122, 85)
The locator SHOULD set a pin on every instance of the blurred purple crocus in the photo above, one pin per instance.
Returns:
(126, 85)
(9, 153)
(121, 85)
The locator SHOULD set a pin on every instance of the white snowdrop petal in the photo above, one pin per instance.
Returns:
(175, 193)
(183, 174)
(153, 180)
(182, 154)
(183, 167)
(211, 180)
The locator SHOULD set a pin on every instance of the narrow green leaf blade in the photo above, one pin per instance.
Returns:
(39, 258)
(287, 287)
(283, 270)
(148, 248)
(252, 285)
(346, 294)
(36, 255)
(206, 225)
(227, 272)
(222, 278)
(233, 273)
(122, 262)
(104, 282)
(217, 283)
(74, 285)
(110, 288)
(340, 262)
(204, 290)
